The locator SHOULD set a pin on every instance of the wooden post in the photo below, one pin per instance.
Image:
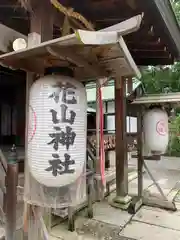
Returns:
(99, 186)
(97, 130)
(129, 85)
(121, 141)
(137, 201)
(11, 195)
(41, 29)
(122, 199)
(42, 20)
(140, 153)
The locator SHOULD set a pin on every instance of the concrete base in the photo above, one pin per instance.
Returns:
(135, 205)
(160, 203)
(121, 202)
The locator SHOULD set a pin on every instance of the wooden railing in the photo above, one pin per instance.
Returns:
(110, 141)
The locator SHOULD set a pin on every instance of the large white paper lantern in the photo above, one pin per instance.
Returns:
(57, 130)
(156, 131)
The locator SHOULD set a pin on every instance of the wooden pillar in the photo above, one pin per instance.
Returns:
(140, 152)
(99, 186)
(41, 29)
(129, 85)
(20, 94)
(97, 130)
(11, 195)
(42, 20)
(137, 201)
(121, 141)
(122, 199)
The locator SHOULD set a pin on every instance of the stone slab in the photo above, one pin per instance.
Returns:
(133, 185)
(105, 213)
(165, 163)
(61, 232)
(154, 192)
(158, 217)
(167, 179)
(144, 231)
(87, 229)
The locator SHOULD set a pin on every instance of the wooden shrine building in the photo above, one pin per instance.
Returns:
(154, 42)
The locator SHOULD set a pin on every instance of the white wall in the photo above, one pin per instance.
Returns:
(130, 121)
(131, 124)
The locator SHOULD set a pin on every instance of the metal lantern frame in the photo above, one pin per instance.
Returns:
(167, 102)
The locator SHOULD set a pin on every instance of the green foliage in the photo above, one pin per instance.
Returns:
(174, 126)
(176, 8)
(162, 79)
(174, 142)
(174, 148)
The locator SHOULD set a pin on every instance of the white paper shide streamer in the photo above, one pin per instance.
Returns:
(57, 130)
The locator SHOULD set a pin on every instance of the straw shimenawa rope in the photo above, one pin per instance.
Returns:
(69, 12)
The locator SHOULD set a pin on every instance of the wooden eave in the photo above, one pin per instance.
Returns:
(77, 51)
(172, 26)
(162, 98)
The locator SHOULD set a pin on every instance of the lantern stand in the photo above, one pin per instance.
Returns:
(137, 201)
(140, 200)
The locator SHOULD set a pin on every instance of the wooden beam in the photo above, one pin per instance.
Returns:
(153, 56)
(145, 44)
(153, 61)
(132, 4)
(147, 48)
(150, 53)
(78, 60)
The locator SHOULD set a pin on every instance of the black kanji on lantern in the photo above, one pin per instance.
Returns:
(64, 118)
(55, 120)
(58, 167)
(68, 93)
(64, 138)
(64, 115)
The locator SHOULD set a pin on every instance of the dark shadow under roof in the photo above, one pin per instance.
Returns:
(156, 43)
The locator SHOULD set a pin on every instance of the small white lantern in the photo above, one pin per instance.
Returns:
(57, 130)
(19, 44)
(156, 131)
